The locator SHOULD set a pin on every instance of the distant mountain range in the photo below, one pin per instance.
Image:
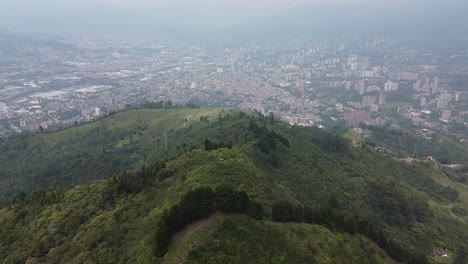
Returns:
(15, 45)
(422, 19)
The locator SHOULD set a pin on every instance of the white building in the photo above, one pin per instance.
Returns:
(3, 108)
(435, 88)
(446, 115)
(423, 101)
(391, 86)
(444, 100)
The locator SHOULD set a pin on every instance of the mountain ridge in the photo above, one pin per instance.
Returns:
(288, 170)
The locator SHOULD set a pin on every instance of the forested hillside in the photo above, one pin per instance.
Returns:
(95, 150)
(239, 187)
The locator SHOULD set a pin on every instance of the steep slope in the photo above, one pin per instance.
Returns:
(91, 151)
(239, 239)
(294, 174)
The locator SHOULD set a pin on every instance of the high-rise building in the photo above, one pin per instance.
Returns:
(355, 118)
(427, 85)
(391, 86)
(404, 76)
(435, 88)
(444, 100)
(3, 108)
(367, 100)
(423, 101)
(382, 98)
(361, 86)
(417, 86)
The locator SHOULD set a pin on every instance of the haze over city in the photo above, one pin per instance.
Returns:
(237, 131)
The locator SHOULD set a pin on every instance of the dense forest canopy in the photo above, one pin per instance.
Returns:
(193, 185)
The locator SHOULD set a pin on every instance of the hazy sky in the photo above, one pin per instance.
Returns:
(85, 15)
(241, 3)
(277, 4)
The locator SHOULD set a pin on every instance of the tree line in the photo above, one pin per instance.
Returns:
(209, 146)
(283, 211)
(199, 203)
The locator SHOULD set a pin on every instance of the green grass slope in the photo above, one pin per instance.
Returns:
(99, 149)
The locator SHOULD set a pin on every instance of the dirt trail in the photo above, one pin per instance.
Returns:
(194, 227)
(182, 237)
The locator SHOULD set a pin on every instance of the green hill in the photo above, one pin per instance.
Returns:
(239, 239)
(91, 151)
(234, 187)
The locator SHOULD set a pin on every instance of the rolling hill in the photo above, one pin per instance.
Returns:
(231, 187)
(94, 150)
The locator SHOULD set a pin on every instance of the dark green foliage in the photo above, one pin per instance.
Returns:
(443, 150)
(459, 211)
(309, 214)
(271, 118)
(419, 209)
(230, 200)
(199, 203)
(161, 105)
(262, 145)
(449, 193)
(462, 255)
(163, 234)
(214, 146)
(266, 142)
(283, 140)
(459, 174)
(106, 147)
(135, 182)
(196, 204)
(282, 211)
(255, 210)
(237, 239)
(396, 208)
(41, 198)
(121, 219)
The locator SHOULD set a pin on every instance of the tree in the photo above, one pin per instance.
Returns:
(461, 255)
(255, 210)
(208, 145)
(309, 214)
(299, 213)
(230, 200)
(174, 219)
(163, 236)
(271, 118)
(282, 211)
(262, 145)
